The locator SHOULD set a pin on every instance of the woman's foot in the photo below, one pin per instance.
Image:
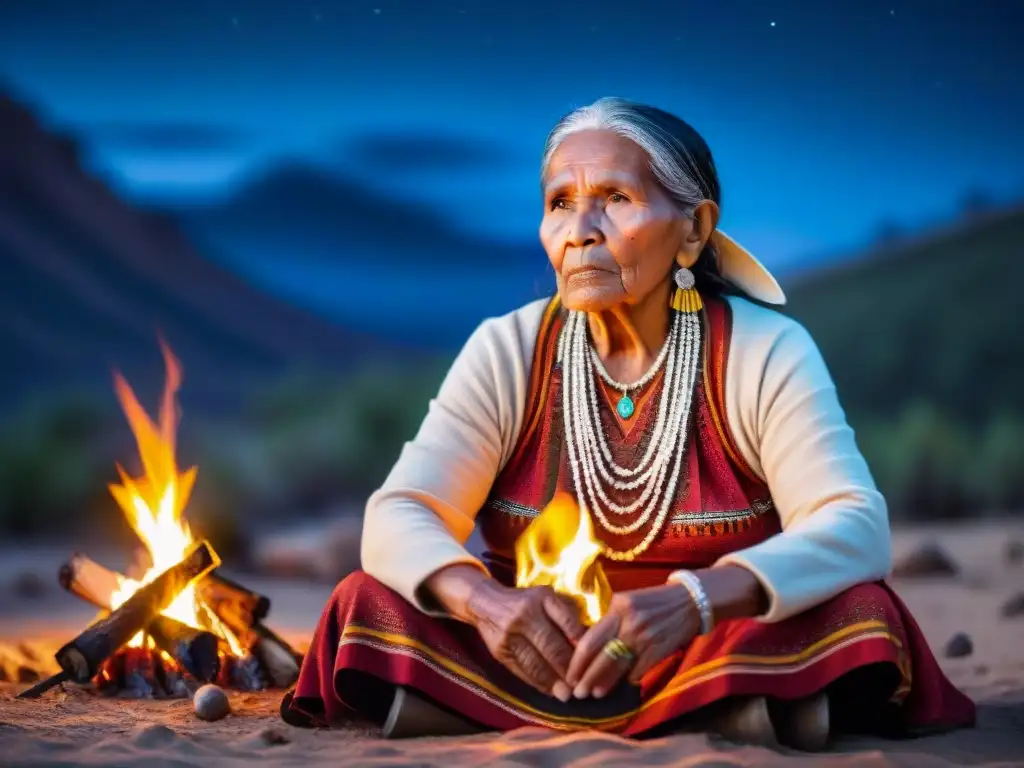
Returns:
(411, 716)
(746, 721)
(802, 724)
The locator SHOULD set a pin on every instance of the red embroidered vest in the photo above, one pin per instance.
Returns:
(721, 506)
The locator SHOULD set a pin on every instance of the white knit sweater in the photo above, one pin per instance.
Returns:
(784, 417)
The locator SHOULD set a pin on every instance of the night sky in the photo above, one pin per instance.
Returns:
(826, 118)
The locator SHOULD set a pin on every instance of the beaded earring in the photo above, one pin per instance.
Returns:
(686, 297)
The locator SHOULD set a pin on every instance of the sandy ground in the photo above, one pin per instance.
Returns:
(71, 727)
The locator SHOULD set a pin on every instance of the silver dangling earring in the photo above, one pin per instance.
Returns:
(684, 279)
(686, 298)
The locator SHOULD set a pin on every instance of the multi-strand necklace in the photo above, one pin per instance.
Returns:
(657, 473)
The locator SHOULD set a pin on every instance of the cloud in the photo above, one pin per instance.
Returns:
(423, 152)
(165, 137)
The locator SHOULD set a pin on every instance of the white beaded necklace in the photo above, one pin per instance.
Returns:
(626, 406)
(590, 457)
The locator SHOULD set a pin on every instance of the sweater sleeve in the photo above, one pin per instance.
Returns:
(787, 420)
(420, 519)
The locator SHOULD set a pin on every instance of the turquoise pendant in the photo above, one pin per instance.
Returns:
(625, 407)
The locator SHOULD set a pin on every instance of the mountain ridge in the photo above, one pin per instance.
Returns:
(89, 277)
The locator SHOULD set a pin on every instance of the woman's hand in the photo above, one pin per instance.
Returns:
(531, 631)
(653, 623)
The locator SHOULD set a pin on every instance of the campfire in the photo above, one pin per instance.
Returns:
(181, 623)
(559, 550)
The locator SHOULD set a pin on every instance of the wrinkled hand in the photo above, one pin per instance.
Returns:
(653, 623)
(531, 631)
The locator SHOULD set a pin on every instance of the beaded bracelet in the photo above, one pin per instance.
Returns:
(700, 597)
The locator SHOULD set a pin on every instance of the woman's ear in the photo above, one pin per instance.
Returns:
(696, 235)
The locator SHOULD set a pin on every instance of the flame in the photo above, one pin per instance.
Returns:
(559, 550)
(154, 504)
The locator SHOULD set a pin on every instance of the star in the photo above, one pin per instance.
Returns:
(317, 17)
(892, 11)
(377, 11)
(234, 21)
(771, 24)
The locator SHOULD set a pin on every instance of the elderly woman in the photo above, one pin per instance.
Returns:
(742, 533)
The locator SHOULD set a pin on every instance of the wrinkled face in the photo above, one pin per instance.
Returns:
(609, 229)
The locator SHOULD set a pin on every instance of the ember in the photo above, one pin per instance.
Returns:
(181, 623)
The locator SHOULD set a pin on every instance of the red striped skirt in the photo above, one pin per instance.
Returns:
(370, 639)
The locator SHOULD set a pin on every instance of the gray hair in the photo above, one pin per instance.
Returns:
(679, 158)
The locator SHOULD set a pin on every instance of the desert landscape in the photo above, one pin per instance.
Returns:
(290, 216)
(965, 584)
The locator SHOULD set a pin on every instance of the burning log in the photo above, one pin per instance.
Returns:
(140, 673)
(232, 604)
(242, 672)
(89, 581)
(80, 659)
(280, 660)
(82, 656)
(231, 601)
(194, 649)
(153, 505)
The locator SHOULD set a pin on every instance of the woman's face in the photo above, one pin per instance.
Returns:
(609, 229)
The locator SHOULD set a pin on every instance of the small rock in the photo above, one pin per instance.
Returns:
(1013, 607)
(211, 703)
(959, 645)
(981, 669)
(273, 736)
(29, 586)
(1014, 554)
(927, 561)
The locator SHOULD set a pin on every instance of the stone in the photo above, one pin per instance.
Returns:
(211, 703)
(625, 407)
(273, 737)
(959, 645)
(929, 560)
(1013, 607)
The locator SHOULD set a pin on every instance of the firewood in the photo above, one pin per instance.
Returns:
(89, 581)
(80, 659)
(278, 660)
(110, 677)
(232, 604)
(194, 649)
(140, 673)
(95, 584)
(280, 663)
(267, 633)
(175, 683)
(242, 672)
(235, 606)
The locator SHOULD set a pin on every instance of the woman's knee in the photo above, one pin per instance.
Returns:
(359, 585)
